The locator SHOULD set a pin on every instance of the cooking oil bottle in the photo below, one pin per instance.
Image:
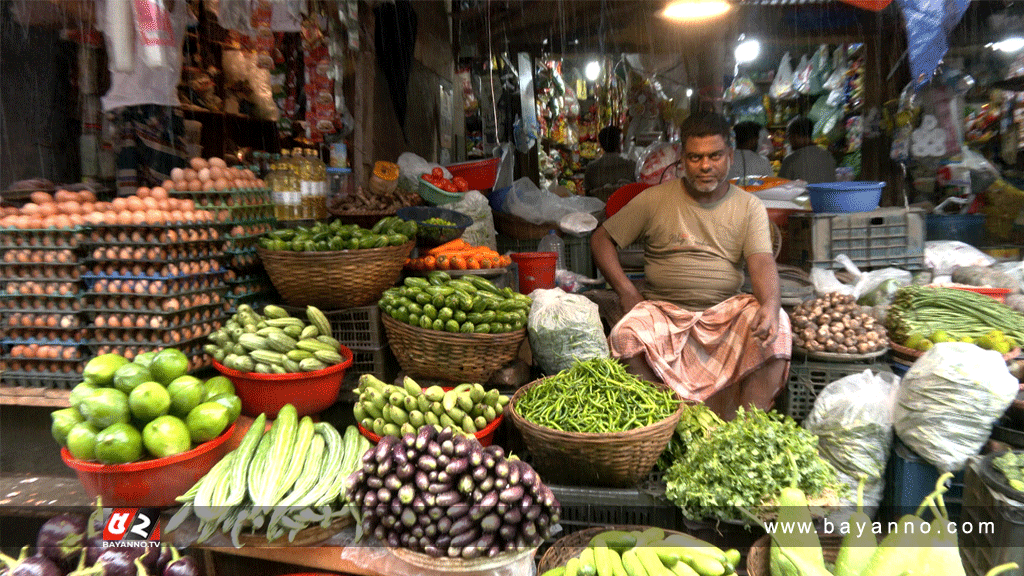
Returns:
(304, 170)
(318, 171)
(285, 186)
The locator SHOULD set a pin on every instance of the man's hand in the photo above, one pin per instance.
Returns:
(606, 256)
(630, 300)
(766, 325)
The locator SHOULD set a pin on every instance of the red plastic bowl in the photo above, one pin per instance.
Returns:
(479, 174)
(998, 293)
(309, 392)
(485, 437)
(153, 483)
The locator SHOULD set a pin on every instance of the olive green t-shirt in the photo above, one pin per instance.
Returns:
(693, 253)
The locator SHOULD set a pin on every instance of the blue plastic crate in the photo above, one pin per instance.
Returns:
(909, 479)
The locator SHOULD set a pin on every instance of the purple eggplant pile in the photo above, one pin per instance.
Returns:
(445, 495)
(71, 545)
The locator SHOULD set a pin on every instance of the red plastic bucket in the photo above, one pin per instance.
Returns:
(536, 270)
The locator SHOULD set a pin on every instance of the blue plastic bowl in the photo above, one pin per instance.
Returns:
(845, 196)
(968, 228)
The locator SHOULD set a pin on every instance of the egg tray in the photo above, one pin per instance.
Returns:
(36, 333)
(239, 214)
(41, 237)
(105, 302)
(170, 318)
(45, 304)
(10, 341)
(155, 336)
(150, 234)
(163, 252)
(42, 379)
(243, 260)
(189, 346)
(32, 272)
(226, 198)
(256, 300)
(24, 288)
(38, 255)
(123, 267)
(243, 290)
(172, 284)
(211, 244)
(13, 319)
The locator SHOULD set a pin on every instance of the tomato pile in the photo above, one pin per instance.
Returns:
(436, 178)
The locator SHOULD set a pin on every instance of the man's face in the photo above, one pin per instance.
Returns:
(706, 161)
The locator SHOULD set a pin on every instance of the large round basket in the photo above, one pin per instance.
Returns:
(615, 459)
(449, 356)
(757, 559)
(333, 280)
(458, 565)
(572, 545)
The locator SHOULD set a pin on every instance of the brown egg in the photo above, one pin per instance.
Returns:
(124, 218)
(216, 174)
(218, 162)
(204, 174)
(207, 186)
(119, 204)
(142, 192)
(163, 204)
(149, 203)
(88, 207)
(158, 193)
(30, 209)
(138, 217)
(168, 185)
(64, 196)
(154, 216)
(40, 197)
(177, 174)
(221, 184)
(198, 163)
(134, 203)
(195, 185)
(189, 174)
(86, 196)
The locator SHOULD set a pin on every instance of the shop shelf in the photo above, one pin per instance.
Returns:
(981, 550)
(42, 379)
(885, 237)
(357, 328)
(584, 507)
(808, 378)
(909, 479)
(152, 303)
(39, 303)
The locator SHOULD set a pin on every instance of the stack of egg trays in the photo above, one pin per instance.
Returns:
(242, 216)
(253, 288)
(40, 315)
(173, 296)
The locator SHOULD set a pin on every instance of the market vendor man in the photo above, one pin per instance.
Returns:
(690, 326)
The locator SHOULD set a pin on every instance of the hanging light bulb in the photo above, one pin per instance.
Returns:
(593, 70)
(1010, 44)
(747, 50)
(687, 10)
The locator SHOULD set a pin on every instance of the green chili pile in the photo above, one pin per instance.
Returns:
(596, 396)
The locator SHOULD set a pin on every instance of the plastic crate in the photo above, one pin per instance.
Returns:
(356, 328)
(909, 479)
(980, 550)
(579, 258)
(808, 378)
(587, 507)
(507, 244)
(885, 237)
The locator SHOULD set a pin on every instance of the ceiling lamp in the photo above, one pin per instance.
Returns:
(688, 10)
(747, 50)
(593, 70)
(1011, 44)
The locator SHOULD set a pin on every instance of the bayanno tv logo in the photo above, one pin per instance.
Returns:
(131, 527)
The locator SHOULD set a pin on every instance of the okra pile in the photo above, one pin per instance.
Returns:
(275, 342)
(445, 495)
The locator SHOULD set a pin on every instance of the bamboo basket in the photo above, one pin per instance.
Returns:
(449, 356)
(616, 459)
(333, 280)
(757, 559)
(572, 545)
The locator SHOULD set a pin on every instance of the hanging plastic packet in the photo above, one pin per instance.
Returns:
(837, 79)
(802, 76)
(854, 134)
(819, 70)
(742, 87)
(153, 25)
(120, 28)
(782, 85)
(262, 13)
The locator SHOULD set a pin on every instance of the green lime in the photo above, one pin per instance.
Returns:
(1002, 347)
(145, 359)
(186, 392)
(232, 403)
(62, 421)
(218, 385)
(148, 401)
(100, 370)
(207, 421)
(80, 392)
(127, 377)
(118, 444)
(105, 407)
(168, 364)
(967, 340)
(940, 336)
(986, 342)
(166, 436)
(925, 345)
(82, 441)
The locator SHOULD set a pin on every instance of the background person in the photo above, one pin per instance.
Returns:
(612, 170)
(808, 161)
(691, 328)
(746, 161)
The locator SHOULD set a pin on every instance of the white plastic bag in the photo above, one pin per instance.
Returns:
(564, 328)
(868, 281)
(481, 231)
(852, 418)
(825, 282)
(942, 256)
(949, 400)
(782, 86)
(541, 206)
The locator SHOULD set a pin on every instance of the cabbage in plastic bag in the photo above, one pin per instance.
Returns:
(564, 328)
(852, 418)
(949, 400)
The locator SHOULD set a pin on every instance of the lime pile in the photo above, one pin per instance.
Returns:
(993, 340)
(126, 411)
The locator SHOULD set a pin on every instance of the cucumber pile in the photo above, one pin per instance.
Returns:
(443, 494)
(275, 342)
(321, 237)
(278, 482)
(389, 410)
(467, 305)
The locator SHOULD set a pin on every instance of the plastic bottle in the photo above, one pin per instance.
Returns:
(318, 171)
(553, 243)
(304, 170)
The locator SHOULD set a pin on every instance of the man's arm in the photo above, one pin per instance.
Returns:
(764, 277)
(606, 256)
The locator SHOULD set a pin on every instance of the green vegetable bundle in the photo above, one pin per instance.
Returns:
(696, 421)
(925, 309)
(596, 396)
(746, 463)
(389, 231)
(279, 481)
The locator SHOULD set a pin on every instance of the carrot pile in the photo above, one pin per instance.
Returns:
(458, 255)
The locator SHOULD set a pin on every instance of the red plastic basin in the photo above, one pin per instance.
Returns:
(485, 437)
(999, 294)
(309, 392)
(479, 174)
(152, 483)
